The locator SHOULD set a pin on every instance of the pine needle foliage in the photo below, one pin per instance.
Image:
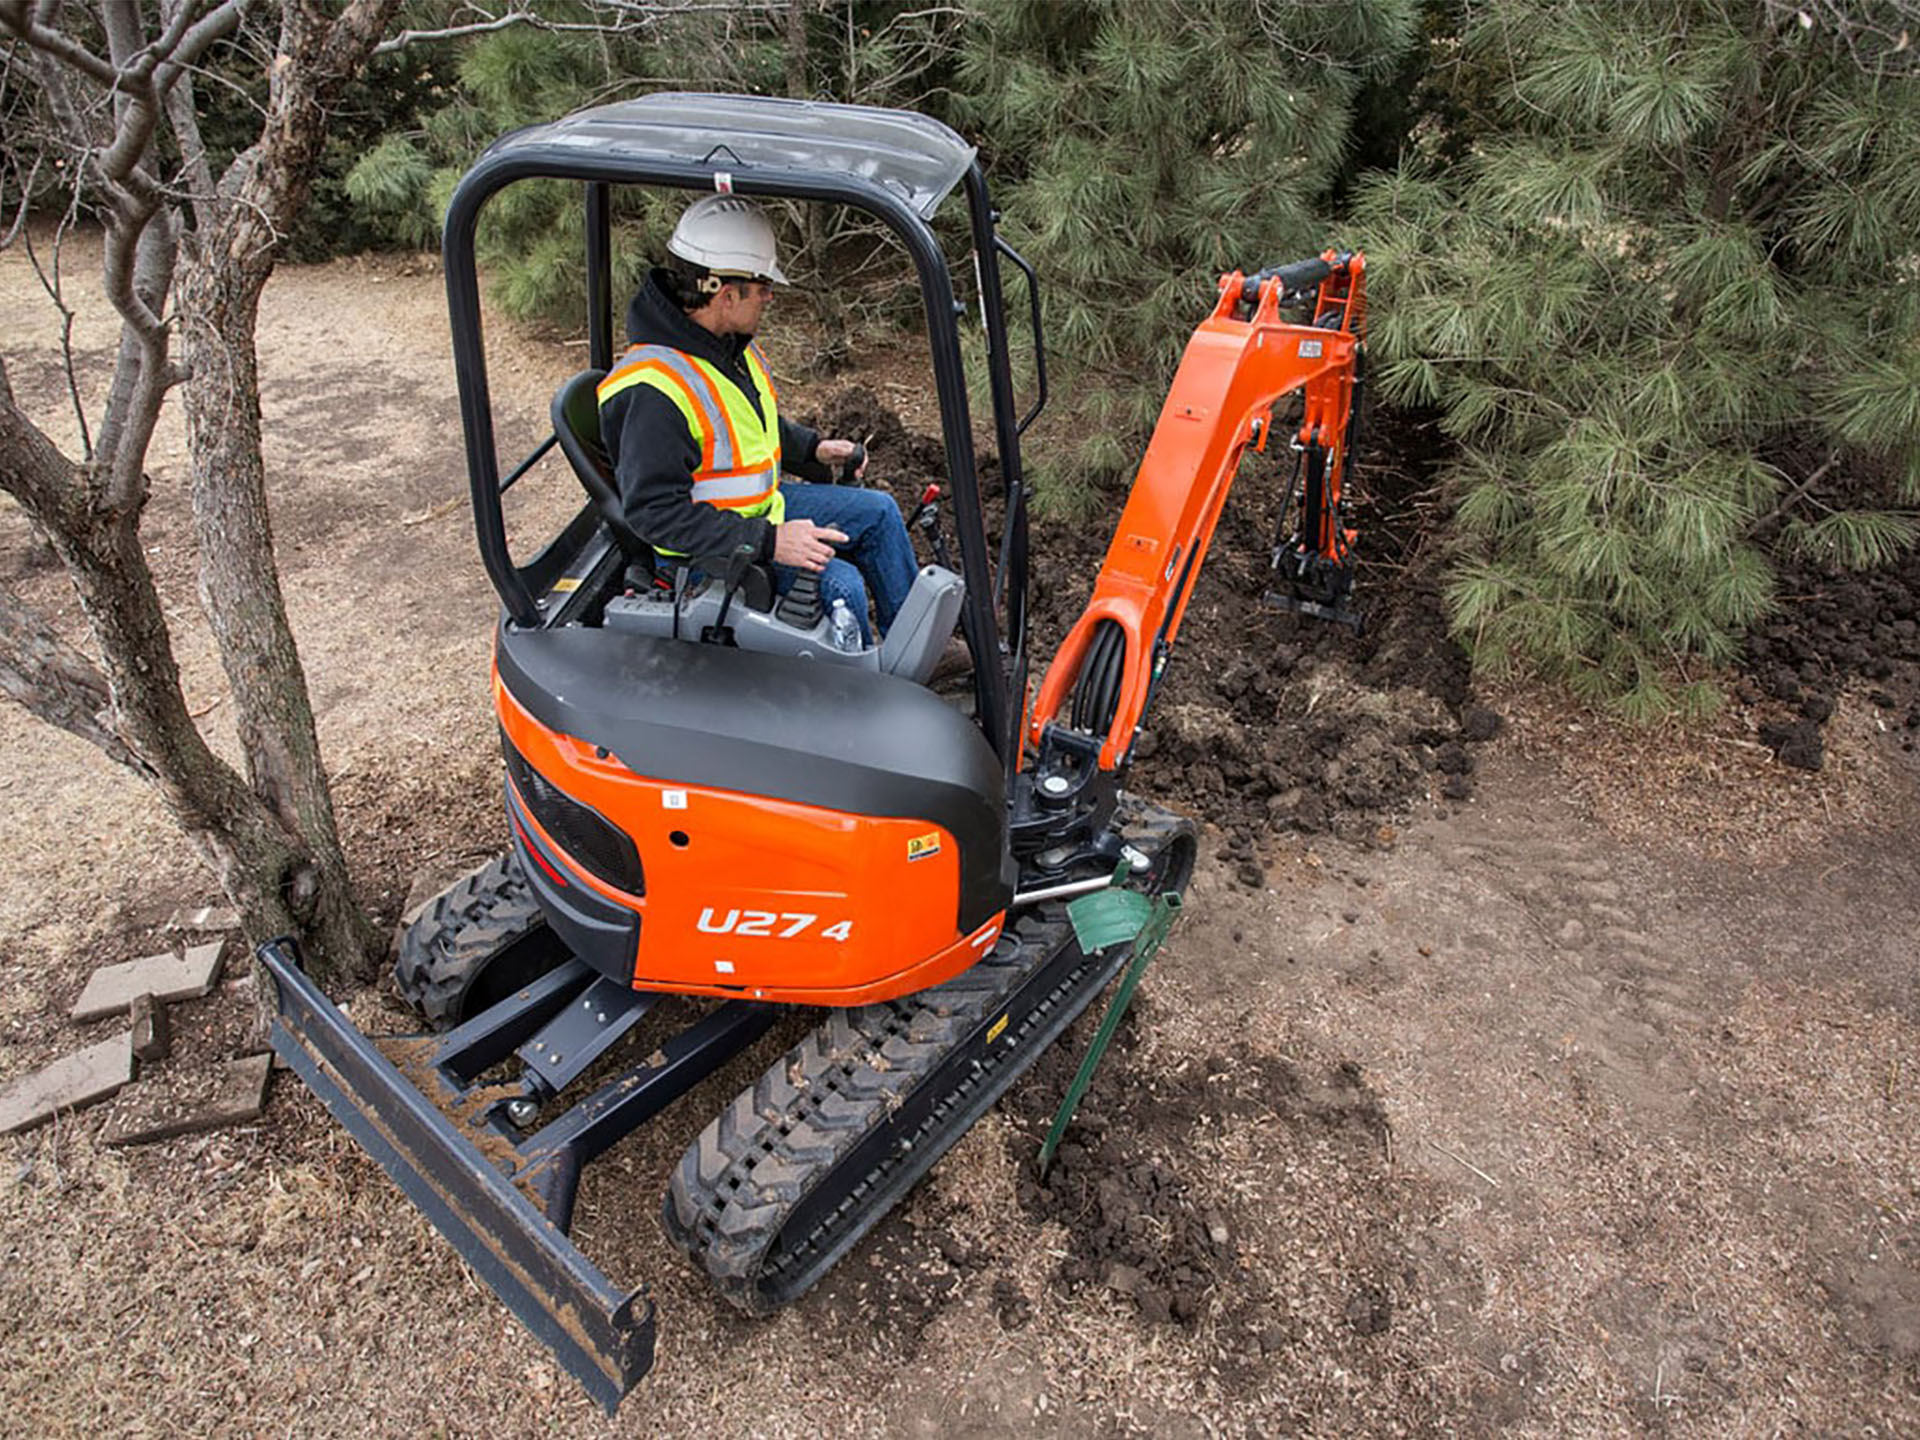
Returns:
(589, 52)
(1678, 259)
(529, 239)
(1140, 151)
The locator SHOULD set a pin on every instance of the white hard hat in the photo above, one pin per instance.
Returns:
(729, 236)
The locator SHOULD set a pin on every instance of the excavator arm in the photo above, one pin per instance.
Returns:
(1241, 360)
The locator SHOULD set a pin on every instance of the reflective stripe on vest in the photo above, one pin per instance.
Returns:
(739, 467)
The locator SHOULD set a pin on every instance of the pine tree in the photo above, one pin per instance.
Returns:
(1669, 306)
(530, 240)
(589, 52)
(1141, 151)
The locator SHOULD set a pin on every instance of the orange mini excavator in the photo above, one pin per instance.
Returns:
(711, 796)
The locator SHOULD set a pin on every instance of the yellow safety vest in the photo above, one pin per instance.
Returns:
(739, 467)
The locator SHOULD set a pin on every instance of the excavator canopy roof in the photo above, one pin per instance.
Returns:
(917, 159)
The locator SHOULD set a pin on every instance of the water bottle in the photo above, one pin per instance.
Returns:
(842, 629)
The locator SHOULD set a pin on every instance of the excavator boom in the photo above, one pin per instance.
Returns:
(1241, 360)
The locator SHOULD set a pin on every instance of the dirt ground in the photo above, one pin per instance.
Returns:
(1507, 1071)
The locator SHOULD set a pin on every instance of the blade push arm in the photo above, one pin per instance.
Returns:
(1241, 359)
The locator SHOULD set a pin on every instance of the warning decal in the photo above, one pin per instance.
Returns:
(921, 846)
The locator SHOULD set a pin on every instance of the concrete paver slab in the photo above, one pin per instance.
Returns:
(68, 1083)
(233, 1093)
(113, 988)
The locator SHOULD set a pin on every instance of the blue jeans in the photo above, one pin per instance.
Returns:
(883, 562)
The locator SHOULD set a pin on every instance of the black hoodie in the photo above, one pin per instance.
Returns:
(655, 454)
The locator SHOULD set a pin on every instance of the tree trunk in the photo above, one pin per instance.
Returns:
(258, 862)
(271, 837)
(223, 269)
(835, 348)
(240, 593)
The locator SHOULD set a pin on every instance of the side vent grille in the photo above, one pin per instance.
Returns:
(586, 835)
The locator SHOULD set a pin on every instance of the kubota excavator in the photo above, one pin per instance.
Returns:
(709, 797)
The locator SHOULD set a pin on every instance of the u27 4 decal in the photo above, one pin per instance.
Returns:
(769, 924)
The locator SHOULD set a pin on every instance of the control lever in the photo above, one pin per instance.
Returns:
(926, 515)
(800, 606)
(681, 575)
(850, 471)
(738, 563)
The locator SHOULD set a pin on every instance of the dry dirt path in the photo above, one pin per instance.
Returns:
(1509, 1124)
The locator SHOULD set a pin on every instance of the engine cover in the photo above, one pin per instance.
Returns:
(705, 819)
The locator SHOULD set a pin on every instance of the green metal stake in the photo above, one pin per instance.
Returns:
(1110, 917)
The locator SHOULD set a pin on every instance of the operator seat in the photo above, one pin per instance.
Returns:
(576, 425)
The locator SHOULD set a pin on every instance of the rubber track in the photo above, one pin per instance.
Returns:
(781, 1140)
(468, 926)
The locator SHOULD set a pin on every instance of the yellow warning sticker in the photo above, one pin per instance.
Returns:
(994, 1033)
(566, 585)
(921, 846)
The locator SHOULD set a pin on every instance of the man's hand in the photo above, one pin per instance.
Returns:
(838, 452)
(805, 545)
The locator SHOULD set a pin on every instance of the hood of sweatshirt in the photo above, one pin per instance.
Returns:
(654, 319)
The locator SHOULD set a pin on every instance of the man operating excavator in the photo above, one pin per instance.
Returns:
(717, 799)
(690, 418)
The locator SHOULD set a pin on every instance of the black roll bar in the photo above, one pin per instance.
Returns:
(495, 171)
(599, 277)
(1011, 577)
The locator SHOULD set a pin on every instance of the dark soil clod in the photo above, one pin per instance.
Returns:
(1796, 743)
(1370, 1310)
(1011, 1307)
(1837, 627)
(1145, 1225)
(1478, 724)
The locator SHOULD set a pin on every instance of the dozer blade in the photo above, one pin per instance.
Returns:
(601, 1334)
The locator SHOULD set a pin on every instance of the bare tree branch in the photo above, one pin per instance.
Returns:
(221, 22)
(634, 15)
(23, 23)
(164, 44)
(455, 32)
(179, 103)
(152, 371)
(133, 193)
(128, 50)
(26, 198)
(56, 682)
(198, 173)
(49, 276)
(79, 124)
(1881, 37)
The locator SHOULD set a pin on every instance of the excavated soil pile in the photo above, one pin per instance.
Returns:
(1833, 629)
(1156, 1216)
(1267, 721)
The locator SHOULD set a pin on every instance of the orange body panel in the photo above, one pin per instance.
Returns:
(764, 899)
(1230, 376)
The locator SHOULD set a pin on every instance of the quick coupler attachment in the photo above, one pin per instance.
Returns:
(1314, 585)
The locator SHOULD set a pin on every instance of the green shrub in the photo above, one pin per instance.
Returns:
(1139, 152)
(1666, 303)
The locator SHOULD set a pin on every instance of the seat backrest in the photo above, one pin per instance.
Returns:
(576, 425)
